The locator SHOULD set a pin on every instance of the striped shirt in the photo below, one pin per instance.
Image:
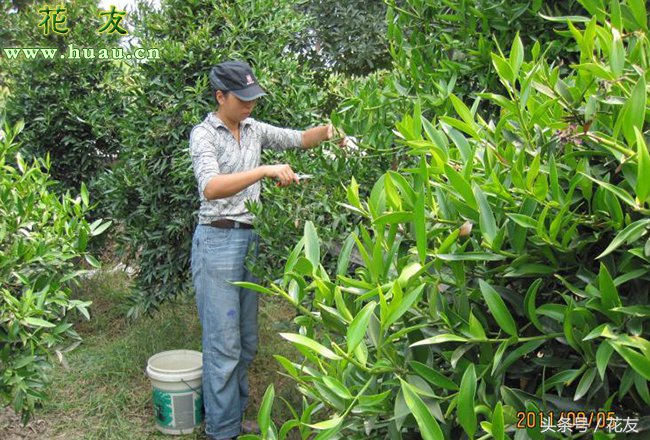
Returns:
(214, 150)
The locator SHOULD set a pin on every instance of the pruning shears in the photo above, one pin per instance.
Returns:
(300, 176)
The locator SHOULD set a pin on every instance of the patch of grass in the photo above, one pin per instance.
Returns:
(105, 394)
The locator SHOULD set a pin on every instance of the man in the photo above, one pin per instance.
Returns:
(225, 150)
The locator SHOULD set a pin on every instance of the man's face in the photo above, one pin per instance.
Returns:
(233, 107)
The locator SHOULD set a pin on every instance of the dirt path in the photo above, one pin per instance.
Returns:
(12, 428)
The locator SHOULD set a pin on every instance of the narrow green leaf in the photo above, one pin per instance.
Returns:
(496, 361)
(327, 424)
(643, 162)
(617, 53)
(439, 339)
(37, 322)
(429, 428)
(393, 218)
(585, 383)
(517, 353)
(359, 325)
(293, 257)
(608, 292)
(288, 365)
(498, 308)
(264, 414)
(100, 227)
(476, 329)
(471, 256)
(565, 18)
(92, 261)
(312, 244)
(344, 257)
(498, 424)
(433, 376)
(503, 69)
(603, 330)
(339, 389)
(532, 172)
(640, 13)
(312, 345)
(254, 287)
(461, 185)
(420, 229)
(603, 354)
(84, 194)
(392, 196)
(466, 412)
(618, 192)
(556, 192)
(486, 217)
(597, 70)
(638, 311)
(632, 113)
(529, 270)
(516, 55)
(352, 193)
(615, 14)
(632, 232)
(399, 308)
(641, 386)
(639, 362)
(567, 326)
(530, 306)
(462, 110)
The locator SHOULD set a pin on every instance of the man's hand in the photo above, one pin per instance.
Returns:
(282, 173)
(336, 135)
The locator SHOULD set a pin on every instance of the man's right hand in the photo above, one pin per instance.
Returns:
(282, 173)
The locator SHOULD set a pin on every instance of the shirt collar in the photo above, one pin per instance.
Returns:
(216, 122)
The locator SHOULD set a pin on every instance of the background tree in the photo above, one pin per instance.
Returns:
(68, 105)
(344, 36)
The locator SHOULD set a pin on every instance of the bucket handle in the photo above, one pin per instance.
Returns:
(192, 388)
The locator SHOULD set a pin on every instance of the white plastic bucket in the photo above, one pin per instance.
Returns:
(177, 398)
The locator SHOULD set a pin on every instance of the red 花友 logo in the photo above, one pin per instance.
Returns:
(249, 80)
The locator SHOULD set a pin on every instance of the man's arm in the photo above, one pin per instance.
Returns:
(226, 185)
(315, 135)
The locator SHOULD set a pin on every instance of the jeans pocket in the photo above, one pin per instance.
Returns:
(216, 237)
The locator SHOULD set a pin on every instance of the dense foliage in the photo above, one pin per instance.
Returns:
(68, 105)
(343, 36)
(506, 271)
(42, 237)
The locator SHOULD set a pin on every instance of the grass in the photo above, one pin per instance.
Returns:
(105, 394)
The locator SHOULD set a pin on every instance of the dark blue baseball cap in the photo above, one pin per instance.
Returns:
(236, 77)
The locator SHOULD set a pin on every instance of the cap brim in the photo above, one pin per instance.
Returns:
(249, 93)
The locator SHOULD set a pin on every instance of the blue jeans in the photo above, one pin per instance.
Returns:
(228, 316)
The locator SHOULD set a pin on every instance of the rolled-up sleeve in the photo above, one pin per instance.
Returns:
(204, 157)
(278, 138)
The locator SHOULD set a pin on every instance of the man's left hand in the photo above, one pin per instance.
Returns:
(337, 136)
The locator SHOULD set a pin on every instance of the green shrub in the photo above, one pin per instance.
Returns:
(433, 56)
(42, 237)
(344, 36)
(68, 105)
(506, 272)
